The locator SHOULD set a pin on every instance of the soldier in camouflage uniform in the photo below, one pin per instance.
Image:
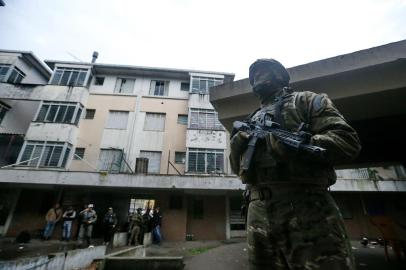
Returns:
(293, 222)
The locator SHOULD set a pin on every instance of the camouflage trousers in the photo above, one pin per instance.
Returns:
(300, 229)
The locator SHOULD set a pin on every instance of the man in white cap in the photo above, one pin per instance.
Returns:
(89, 217)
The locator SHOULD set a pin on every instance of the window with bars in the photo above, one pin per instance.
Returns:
(182, 119)
(201, 85)
(98, 80)
(159, 88)
(69, 76)
(184, 86)
(180, 157)
(124, 86)
(59, 112)
(89, 113)
(4, 68)
(110, 160)
(201, 160)
(16, 76)
(45, 154)
(154, 122)
(79, 153)
(154, 160)
(204, 119)
(117, 120)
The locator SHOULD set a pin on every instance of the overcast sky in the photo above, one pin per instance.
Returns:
(215, 35)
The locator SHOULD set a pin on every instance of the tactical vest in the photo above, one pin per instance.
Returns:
(297, 169)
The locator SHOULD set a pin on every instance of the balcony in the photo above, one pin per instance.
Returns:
(43, 92)
(57, 132)
(396, 172)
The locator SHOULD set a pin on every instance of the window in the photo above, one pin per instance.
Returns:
(45, 154)
(159, 88)
(182, 119)
(3, 71)
(154, 122)
(69, 76)
(59, 112)
(16, 76)
(204, 119)
(197, 208)
(124, 86)
(184, 86)
(154, 160)
(3, 110)
(202, 160)
(89, 114)
(110, 160)
(202, 85)
(79, 153)
(98, 80)
(175, 202)
(180, 157)
(117, 120)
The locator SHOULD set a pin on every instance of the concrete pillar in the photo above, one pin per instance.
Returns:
(227, 198)
(11, 212)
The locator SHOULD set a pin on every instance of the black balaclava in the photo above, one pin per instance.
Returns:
(267, 77)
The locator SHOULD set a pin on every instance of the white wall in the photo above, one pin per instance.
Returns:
(32, 74)
(52, 132)
(141, 86)
(200, 101)
(117, 138)
(44, 92)
(18, 118)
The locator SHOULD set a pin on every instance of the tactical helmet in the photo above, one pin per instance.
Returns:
(280, 75)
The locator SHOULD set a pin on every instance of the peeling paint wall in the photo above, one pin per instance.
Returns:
(206, 139)
(44, 92)
(54, 132)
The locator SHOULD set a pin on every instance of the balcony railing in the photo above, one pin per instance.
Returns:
(396, 172)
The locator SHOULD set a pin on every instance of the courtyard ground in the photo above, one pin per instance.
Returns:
(213, 255)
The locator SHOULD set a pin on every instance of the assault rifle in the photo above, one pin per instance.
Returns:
(296, 141)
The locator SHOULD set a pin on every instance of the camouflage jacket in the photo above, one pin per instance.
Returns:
(329, 130)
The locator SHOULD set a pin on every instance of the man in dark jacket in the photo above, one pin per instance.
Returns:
(156, 222)
(109, 225)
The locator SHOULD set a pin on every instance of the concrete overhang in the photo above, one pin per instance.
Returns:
(168, 182)
(32, 60)
(363, 85)
(129, 70)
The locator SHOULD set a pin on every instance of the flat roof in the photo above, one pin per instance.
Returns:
(34, 60)
(140, 70)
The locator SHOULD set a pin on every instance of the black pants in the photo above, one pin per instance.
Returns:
(108, 232)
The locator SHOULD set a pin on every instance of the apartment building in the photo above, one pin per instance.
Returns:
(113, 135)
(132, 136)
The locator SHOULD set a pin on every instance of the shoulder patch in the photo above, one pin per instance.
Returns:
(319, 103)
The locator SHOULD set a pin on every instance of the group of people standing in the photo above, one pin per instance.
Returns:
(140, 222)
(87, 217)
